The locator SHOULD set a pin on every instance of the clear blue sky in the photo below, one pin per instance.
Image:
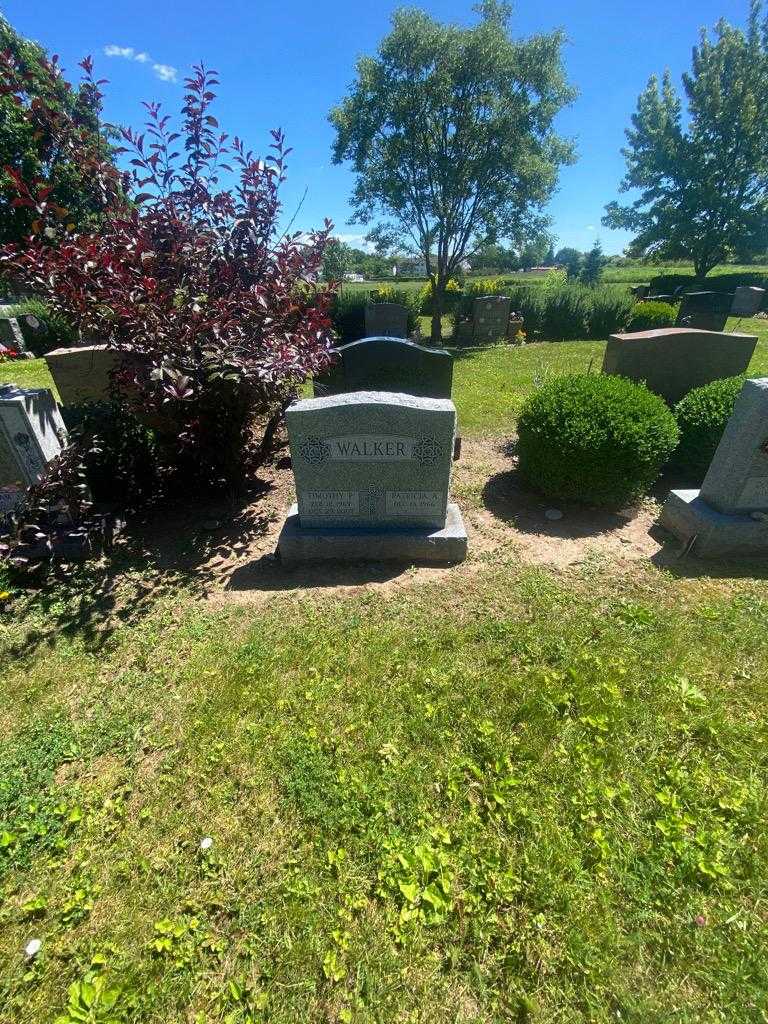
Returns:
(287, 62)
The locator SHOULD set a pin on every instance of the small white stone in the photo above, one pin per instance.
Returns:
(760, 517)
(553, 514)
(206, 843)
(32, 948)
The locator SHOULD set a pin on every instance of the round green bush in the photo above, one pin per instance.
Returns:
(701, 417)
(601, 440)
(647, 316)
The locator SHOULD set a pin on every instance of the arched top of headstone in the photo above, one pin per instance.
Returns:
(389, 364)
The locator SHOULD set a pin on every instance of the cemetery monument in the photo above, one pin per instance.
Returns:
(674, 360)
(372, 473)
(386, 319)
(728, 517)
(388, 364)
(31, 434)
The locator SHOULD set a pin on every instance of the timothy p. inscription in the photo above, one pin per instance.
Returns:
(370, 458)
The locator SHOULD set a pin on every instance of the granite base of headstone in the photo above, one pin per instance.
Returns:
(83, 374)
(372, 472)
(490, 319)
(31, 434)
(388, 364)
(674, 360)
(728, 516)
(386, 320)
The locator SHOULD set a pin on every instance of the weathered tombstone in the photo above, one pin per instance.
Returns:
(747, 300)
(31, 433)
(386, 319)
(728, 517)
(674, 360)
(490, 319)
(82, 374)
(10, 334)
(388, 364)
(706, 311)
(372, 473)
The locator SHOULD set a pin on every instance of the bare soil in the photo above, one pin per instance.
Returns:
(229, 548)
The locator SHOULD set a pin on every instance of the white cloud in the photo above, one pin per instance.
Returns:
(356, 241)
(590, 227)
(165, 72)
(119, 51)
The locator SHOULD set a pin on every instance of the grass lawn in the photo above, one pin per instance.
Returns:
(503, 793)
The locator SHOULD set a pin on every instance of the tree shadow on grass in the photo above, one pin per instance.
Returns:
(176, 547)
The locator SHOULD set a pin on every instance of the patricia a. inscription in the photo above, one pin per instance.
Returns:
(369, 448)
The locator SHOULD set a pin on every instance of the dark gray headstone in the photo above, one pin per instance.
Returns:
(490, 319)
(706, 311)
(389, 364)
(747, 300)
(674, 360)
(386, 319)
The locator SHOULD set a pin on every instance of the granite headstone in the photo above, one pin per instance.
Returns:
(372, 472)
(388, 364)
(747, 300)
(706, 311)
(490, 319)
(386, 319)
(83, 374)
(10, 334)
(729, 515)
(31, 434)
(673, 360)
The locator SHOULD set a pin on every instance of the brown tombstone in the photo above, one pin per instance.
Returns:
(674, 360)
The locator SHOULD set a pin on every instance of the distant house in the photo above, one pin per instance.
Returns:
(353, 278)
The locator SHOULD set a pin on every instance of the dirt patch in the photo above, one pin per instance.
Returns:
(498, 514)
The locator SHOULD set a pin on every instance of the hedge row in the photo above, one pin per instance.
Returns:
(666, 284)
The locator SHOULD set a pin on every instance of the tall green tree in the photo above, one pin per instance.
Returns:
(592, 265)
(449, 132)
(703, 185)
(336, 260)
(30, 145)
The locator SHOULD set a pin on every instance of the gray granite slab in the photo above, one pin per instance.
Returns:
(708, 533)
(446, 545)
(747, 300)
(389, 364)
(10, 334)
(372, 459)
(707, 311)
(31, 434)
(674, 360)
(737, 478)
(490, 319)
(386, 319)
